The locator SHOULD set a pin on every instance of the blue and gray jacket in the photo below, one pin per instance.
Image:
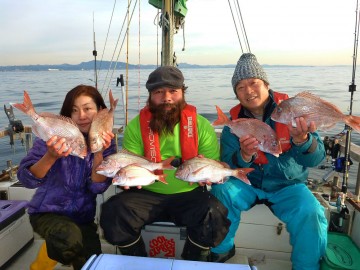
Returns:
(288, 169)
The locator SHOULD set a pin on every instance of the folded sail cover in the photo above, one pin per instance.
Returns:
(180, 8)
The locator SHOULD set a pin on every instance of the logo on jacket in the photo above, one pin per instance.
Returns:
(151, 138)
(190, 130)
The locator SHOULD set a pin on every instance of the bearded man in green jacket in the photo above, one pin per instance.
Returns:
(167, 127)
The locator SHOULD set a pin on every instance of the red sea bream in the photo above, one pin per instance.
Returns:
(203, 169)
(47, 125)
(266, 136)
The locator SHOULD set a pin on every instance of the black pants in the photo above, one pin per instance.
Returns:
(124, 215)
(66, 241)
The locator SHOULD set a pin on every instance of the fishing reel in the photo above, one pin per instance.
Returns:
(15, 126)
(120, 80)
(339, 164)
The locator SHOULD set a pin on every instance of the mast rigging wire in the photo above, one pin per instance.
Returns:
(237, 32)
(126, 34)
(106, 39)
(157, 17)
(240, 23)
(116, 46)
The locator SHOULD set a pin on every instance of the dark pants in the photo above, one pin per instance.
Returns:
(66, 241)
(124, 215)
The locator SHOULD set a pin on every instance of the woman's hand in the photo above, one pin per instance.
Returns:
(107, 136)
(57, 147)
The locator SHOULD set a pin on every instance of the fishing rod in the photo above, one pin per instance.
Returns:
(352, 89)
(95, 54)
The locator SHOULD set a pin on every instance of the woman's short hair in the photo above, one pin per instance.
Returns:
(81, 90)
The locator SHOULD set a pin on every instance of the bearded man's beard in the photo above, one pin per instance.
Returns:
(165, 116)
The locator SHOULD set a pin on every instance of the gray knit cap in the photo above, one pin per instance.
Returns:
(248, 67)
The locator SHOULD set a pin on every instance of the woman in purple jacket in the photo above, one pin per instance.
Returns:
(63, 208)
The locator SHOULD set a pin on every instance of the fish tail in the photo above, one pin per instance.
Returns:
(27, 106)
(162, 178)
(353, 121)
(222, 118)
(166, 164)
(113, 102)
(241, 174)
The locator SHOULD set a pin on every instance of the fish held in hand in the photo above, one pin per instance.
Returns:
(103, 121)
(204, 169)
(112, 163)
(133, 175)
(312, 108)
(264, 134)
(47, 125)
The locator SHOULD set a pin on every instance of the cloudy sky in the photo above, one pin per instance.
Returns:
(307, 32)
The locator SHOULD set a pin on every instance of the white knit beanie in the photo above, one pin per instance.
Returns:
(248, 67)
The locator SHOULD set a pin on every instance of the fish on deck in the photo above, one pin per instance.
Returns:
(266, 136)
(47, 125)
(200, 169)
(312, 108)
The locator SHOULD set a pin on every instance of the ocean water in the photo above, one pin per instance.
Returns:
(207, 87)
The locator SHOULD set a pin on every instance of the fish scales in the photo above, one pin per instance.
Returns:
(312, 108)
(265, 135)
(112, 163)
(204, 169)
(47, 125)
(133, 175)
(103, 121)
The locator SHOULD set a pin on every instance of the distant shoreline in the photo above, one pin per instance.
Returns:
(122, 65)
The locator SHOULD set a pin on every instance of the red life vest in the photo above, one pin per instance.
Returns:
(188, 134)
(281, 130)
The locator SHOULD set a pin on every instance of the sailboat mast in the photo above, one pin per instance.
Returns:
(167, 22)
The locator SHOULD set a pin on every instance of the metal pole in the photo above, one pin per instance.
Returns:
(167, 23)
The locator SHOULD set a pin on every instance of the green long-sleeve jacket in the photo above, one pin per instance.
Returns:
(169, 147)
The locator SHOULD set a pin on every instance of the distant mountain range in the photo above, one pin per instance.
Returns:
(99, 65)
(120, 65)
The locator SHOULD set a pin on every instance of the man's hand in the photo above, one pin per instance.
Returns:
(299, 133)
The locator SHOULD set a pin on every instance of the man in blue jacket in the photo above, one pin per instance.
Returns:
(279, 182)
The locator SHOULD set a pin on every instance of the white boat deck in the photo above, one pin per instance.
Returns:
(258, 241)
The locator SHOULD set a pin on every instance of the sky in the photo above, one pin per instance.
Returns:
(306, 32)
